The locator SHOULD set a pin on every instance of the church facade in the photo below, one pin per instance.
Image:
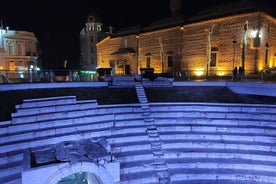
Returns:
(211, 44)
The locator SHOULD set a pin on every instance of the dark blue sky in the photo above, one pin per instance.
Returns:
(60, 21)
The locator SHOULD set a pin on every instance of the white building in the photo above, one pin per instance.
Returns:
(18, 52)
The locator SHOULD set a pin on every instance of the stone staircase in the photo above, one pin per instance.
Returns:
(195, 143)
(158, 163)
(215, 143)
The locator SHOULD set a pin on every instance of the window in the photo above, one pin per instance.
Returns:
(92, 60)
(12, 65)
(29, 49)
(19, 63)
(148, 58)
(99, 27)
(214, 57)
(213, 62)
(125, 43)
(266, 52)
(215, 30)
(170, 61)
(19, 49)
(148, 61)
(92, 49)
(10, 49)
(112, 63)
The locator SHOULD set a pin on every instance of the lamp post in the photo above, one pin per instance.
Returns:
(31, 73)
(234, 51)
(137, 53)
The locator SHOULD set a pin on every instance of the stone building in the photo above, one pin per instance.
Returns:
(18, 51)
(90, 35)
(211, 43)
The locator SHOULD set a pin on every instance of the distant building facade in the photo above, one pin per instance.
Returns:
(90, 35)
(18, 50)
(210, 43)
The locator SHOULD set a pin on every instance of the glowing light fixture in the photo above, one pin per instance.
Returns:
(221, 73)
(255, 34)
(199, 72)
(21, 75)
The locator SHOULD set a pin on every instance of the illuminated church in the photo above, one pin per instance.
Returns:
(210, 43)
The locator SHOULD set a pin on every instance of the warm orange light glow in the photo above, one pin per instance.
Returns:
(254, 33)
(1, 67)
(260, 67)
(199, 72)
(221, 73)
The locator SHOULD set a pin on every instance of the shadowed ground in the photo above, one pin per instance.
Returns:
(105, 95)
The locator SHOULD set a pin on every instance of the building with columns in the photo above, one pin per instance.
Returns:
(18, 52)
(211, 43)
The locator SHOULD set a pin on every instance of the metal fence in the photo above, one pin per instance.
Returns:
(46, 76)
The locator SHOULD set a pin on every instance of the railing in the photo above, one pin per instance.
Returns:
(44, 76)
(47, 76)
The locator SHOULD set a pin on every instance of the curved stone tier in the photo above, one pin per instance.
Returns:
(195, 143)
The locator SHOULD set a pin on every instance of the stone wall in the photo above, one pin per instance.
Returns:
(193, 45)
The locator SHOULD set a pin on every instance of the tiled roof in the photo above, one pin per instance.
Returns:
(233, 8)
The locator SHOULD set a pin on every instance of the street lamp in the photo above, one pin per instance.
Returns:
(234, 51)
(31, 67)
(138, 52)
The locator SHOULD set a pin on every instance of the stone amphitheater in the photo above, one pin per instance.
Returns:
(49, 139)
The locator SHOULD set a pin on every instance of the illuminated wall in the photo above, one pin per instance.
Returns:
(161, 46)
(216, 37)
(119, 53)
(214, 46)
(18, 50)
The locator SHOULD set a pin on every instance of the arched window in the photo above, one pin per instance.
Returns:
(81, 177)
(215, 30)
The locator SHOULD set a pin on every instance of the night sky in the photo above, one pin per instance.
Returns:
(58, 23)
